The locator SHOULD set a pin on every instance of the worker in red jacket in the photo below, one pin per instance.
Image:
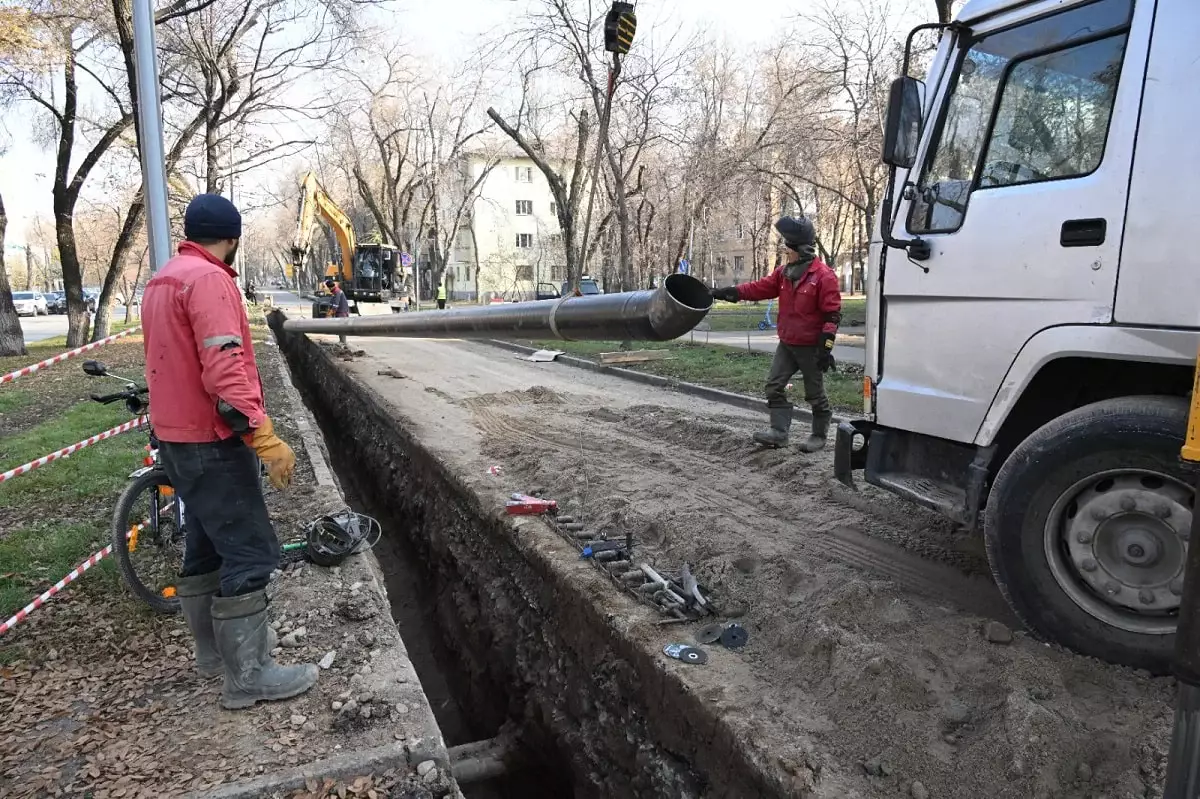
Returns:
(810, 305)
(208, 413)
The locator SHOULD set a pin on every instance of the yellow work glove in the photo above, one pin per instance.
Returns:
(275, 454)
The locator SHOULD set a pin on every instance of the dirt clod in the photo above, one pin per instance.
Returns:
(997, 633)
(918, 790)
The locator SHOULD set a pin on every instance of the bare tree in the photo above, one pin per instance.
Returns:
(12, 340)
(72, 49)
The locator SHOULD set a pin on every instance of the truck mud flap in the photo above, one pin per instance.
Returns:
(845, 457)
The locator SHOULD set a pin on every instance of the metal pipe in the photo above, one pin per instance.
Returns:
(479, 760)
(150, 126)
(662, 314)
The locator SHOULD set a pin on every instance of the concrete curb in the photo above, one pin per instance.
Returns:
(691, 389)
(300, 415)
(337, 767)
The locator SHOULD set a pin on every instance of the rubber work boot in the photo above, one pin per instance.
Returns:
(820, 428)
(251, 675)
(777, 434)
(196, 598)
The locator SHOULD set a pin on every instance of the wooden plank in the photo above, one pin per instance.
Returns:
(636, 356)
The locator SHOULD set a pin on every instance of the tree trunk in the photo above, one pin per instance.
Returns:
(12, 340)
(28, 268)
(78, 318)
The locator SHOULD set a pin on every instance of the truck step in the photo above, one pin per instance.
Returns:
(946, 499)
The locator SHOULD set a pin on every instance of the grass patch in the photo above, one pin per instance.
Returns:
(747, 315)
(39, 555)
(101, 468)
(54, 517)
(14, 399)
(720, 367)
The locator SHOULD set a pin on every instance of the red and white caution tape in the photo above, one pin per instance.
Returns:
(65, 451)
(28, 370)
(71, 577)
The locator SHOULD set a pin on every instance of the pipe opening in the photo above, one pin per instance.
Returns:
(688, 291)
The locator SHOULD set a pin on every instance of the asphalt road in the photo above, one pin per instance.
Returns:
(38, 328)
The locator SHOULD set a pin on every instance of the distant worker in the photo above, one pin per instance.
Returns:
(810, 304)
(441, 297)
(208, 413)
(339, 306)
(251, 294)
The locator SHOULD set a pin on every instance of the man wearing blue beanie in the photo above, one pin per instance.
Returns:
(208, 413)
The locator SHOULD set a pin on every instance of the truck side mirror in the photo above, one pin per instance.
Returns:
(902, 131)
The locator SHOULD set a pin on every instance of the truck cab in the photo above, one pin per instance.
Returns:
(1032, 308)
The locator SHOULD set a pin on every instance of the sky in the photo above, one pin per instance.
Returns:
(443, 30)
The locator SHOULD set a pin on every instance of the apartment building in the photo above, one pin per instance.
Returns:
(509, 241)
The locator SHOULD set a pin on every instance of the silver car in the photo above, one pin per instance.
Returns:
(30, 303)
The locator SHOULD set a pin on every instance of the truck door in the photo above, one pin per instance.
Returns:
(1020, 191)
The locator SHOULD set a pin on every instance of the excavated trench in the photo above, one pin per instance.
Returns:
(502, 639)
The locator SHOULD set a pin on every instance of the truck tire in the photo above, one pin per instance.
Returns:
(1086, 529)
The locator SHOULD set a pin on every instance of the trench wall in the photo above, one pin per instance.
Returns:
(594, 711)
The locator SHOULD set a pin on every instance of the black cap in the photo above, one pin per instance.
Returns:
(796, 231)
(329, 282)
(211, 217)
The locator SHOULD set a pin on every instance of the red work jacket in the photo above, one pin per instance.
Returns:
(804, 304)
(198, 349)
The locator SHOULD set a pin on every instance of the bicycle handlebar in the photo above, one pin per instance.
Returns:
(107, 399)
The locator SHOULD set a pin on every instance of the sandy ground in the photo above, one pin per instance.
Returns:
(109, 705)
(869, 672)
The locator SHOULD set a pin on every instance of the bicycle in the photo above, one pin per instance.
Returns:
(157, 538)
(163, 524)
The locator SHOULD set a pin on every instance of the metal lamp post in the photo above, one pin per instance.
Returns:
(150, 129)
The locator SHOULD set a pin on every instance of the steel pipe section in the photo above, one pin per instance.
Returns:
(661, 314)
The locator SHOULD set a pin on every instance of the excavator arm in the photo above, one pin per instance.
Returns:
(316, 203)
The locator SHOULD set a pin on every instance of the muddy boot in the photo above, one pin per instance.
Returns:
(196, 598)
(240, 624)
(777, 434)
(816, 440)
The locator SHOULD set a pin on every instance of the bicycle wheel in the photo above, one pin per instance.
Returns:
(147, 540)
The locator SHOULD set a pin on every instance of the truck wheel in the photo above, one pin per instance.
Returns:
(1087, 526)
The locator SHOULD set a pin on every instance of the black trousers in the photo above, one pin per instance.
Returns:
(441, 305)
(788, 360)
(228, 527)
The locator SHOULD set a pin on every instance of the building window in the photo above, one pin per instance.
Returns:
(739, 232)
(739, 263)
(524, 240)
(525, 272)
(554, 209)
(466, 274)
(524, 207)
(524, 174)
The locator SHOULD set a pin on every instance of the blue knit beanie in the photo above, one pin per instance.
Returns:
(211, 217)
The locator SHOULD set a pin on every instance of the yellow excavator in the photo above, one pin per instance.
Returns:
(366, 272)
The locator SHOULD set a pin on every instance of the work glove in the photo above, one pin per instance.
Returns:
(825, 360)
(729, 294)
(275, 454)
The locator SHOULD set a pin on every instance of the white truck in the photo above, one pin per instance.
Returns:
(1034, 308)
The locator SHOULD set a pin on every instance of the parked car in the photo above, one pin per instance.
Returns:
(30, 303)
(93, 299)
(56, 302)
(587, 286)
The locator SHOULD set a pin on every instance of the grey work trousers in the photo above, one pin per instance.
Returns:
(790, 359)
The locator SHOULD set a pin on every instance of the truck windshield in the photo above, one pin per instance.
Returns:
(1028, 104)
